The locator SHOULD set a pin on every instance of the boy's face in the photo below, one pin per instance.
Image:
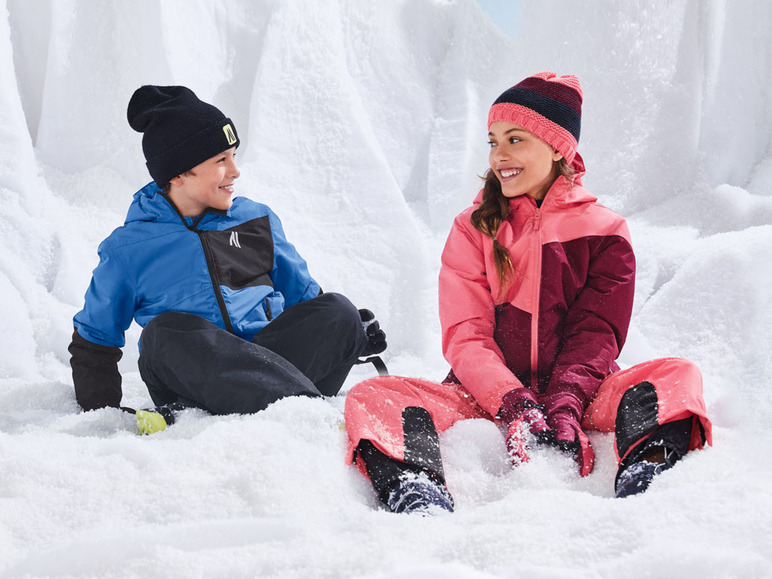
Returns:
(207, 185)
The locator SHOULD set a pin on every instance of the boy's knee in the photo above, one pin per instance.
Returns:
(175, 321)
(341, 305)
(343, 315)
(164, 328)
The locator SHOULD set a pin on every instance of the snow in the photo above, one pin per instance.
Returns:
(363, 127)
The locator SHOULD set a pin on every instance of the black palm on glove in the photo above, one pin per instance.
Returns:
(376, 337)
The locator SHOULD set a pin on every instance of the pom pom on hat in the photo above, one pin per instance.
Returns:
(547, 105)
(179, 130)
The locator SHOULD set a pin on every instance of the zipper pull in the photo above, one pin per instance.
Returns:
(537, 220)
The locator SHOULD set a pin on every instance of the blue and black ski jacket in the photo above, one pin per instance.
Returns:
(234, 268)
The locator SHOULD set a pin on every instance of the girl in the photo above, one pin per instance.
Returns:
(535, 292)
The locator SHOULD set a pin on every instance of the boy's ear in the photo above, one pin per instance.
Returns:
(177, 181)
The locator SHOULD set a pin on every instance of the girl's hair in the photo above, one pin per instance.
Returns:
(492, 212)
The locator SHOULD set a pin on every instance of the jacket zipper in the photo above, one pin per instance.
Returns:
(215, 282)
(209, 265)
(536, 301)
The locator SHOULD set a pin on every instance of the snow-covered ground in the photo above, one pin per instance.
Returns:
(363, 126)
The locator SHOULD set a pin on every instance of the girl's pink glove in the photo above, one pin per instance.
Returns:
(525, 420)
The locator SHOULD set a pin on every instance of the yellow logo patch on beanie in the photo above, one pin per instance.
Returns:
(230, 135)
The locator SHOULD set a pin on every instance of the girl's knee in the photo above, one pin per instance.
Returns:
(372, 391)
(671, 370)
(682, 366)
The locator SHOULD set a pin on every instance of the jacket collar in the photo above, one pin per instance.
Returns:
(562, 193)
(151, 204)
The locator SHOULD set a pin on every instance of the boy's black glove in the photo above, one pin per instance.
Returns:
(376, 337)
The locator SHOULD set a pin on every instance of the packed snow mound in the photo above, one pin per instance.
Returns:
(363, 127)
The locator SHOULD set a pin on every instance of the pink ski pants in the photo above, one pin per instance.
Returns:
(631, 403)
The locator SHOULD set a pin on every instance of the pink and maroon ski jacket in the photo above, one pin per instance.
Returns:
(561, 322)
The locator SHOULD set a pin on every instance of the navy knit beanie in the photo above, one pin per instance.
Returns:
(179, 130)
(547, 105)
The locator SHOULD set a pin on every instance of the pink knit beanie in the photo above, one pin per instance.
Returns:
(547, 105)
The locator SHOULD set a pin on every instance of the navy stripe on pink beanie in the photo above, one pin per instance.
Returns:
(547, 105)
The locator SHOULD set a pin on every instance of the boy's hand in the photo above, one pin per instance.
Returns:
(376, 337)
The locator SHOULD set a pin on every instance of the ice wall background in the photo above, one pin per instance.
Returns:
(363, 126)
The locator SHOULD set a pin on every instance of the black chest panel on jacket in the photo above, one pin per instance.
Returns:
(243, 255)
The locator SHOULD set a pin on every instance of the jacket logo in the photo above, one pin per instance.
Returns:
(230, 134)
(234, 240)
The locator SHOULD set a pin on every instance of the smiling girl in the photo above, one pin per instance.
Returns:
(535, 293)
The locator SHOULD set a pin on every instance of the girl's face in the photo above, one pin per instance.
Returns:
(523, 163)
(208, 185)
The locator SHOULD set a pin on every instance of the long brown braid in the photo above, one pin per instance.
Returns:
(487, 219)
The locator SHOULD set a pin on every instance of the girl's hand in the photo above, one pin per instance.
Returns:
(526, 423)
(570, 437)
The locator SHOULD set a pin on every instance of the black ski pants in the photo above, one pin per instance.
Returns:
(308, 350)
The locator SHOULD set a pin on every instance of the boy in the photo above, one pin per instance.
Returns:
(232, 319)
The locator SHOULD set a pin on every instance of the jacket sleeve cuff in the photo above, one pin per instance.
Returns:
(95, 373)
(565, 402)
